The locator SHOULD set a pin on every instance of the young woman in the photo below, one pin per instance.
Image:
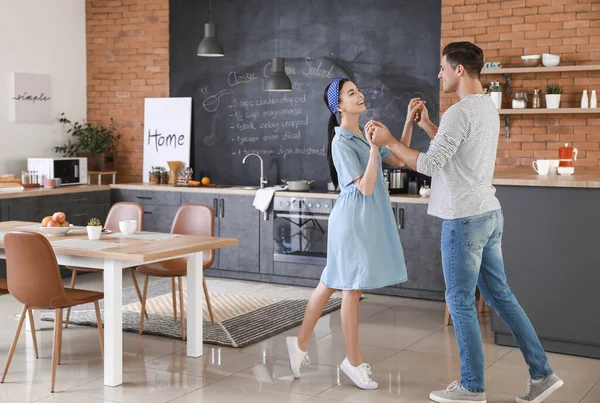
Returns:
(363, 246)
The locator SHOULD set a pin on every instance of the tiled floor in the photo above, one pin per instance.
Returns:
(404, 340)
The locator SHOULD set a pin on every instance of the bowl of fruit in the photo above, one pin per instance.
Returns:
(55, 225)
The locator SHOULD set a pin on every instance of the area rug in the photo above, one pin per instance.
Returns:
(240, 320)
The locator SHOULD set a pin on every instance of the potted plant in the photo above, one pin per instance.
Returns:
(94, 229)
(496, 94)
(553, 92)
(96, 142)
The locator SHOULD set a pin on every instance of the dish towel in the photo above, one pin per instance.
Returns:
(263, 197)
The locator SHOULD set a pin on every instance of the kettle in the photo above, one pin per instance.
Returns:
(567, 155)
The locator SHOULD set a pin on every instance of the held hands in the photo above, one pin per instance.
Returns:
(417, 112)
(415, 108)
(378, 133)
(368, 137)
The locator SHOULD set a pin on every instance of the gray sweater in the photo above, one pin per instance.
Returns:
(461, 159)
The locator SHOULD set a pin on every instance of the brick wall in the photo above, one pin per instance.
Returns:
(127, 61)
(505, 30)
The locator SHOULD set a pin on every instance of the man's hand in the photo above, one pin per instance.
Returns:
(378, 133)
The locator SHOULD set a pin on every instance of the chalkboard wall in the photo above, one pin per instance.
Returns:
(389, 48)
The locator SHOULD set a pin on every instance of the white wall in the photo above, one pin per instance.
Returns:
(42, 37)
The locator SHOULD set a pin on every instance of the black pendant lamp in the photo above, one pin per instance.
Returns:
(278, 80)
(210, 45)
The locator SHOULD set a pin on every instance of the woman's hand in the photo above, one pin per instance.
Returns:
(414, 108)
(369, 137)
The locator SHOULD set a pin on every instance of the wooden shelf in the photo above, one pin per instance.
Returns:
(523, 70)
(544, 111)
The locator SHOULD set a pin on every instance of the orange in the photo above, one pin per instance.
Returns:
(205, 181)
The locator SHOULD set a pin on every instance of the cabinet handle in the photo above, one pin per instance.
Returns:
(216, 207)
(222, 208)
(400, 218)
(79, 215)
(147, 212)
(80, 200)
(144, 197)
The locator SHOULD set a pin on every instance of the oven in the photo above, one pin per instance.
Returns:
(300, 227)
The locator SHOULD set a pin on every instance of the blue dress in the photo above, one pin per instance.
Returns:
(363, 246)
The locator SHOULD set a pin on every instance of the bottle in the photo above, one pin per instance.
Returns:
(537, 101)
(593, 100)
(584, 100)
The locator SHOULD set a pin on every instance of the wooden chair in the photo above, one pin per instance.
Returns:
(191, 219)
(118, 212)
(34, 280)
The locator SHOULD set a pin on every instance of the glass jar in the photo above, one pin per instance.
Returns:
(164, 176)
(537, 99)
(153, 177)
(519, 100)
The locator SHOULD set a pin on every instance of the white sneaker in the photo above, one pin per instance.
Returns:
(361, 375)
(297, 356)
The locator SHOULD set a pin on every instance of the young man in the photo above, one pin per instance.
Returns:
(461, 160)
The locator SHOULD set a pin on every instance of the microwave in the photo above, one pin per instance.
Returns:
(71, 171)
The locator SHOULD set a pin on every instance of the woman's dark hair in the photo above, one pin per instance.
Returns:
(467, 54)
(333, 123)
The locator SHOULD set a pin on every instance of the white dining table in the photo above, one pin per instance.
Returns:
(113, 254)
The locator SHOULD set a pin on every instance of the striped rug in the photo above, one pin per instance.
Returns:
(240, 320)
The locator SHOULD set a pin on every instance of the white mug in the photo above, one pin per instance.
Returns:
(553, 170)
(541, 166)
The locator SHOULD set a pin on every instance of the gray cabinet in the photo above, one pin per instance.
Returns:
(549, 244)
(208, 199)
(24, 209)
(239, 219)
(420, 235)
(235, 217)
(159, 207)
(78, 207)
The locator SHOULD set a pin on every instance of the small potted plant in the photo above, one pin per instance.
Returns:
(94, 229)
(95, 142)
(496, 94)
(553, 92)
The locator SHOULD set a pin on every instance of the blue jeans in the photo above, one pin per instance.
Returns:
(472, 256)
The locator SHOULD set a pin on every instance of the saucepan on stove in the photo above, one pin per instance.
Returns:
(298, 186)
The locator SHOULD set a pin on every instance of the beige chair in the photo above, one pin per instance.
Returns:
(191, 219)
(34, 280)
(118, 212)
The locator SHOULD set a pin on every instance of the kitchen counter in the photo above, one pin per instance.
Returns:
(398, 198)
(527, 177)
(55, 191)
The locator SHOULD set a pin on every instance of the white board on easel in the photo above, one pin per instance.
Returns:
(167, 132)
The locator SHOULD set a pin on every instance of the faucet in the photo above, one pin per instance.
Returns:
(263, 180)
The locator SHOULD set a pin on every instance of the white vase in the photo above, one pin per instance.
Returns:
(497, 98)
(553, 101)
(94, 232)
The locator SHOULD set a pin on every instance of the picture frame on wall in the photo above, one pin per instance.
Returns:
(167, 132)
(31, 97)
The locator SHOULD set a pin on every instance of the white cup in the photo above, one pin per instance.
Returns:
(128, 227)
(553, 168)
(541, 166)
